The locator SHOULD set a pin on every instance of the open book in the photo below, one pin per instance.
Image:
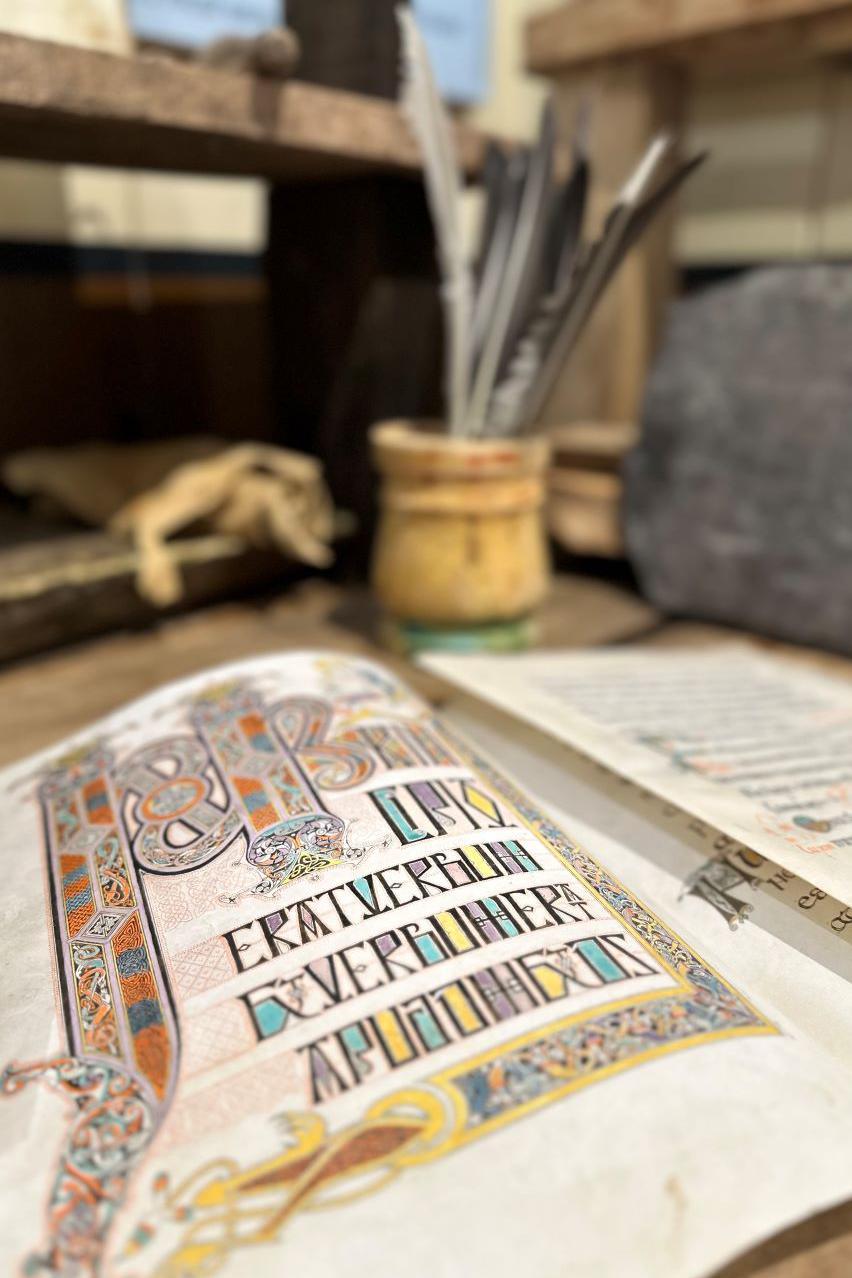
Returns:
(296, 981)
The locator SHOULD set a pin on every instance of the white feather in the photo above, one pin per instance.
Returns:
(430, 124)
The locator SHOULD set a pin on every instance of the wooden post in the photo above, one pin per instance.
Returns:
(348, 44)
(629, 102)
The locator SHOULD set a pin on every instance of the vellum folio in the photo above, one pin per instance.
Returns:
(295, 981)
(759, 747)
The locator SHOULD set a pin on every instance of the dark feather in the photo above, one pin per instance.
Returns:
(521, 270)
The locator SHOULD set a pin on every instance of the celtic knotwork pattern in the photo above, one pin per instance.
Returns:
(275, 761)
(111, 1128)
(113, 879)
(142, 987)
(154, 855)
(298, 847)
(560, 1058)
(332, 763)
(95, 1000)
(122, 1039)
(172, 822)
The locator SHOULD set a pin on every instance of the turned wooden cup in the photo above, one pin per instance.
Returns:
(461, 539)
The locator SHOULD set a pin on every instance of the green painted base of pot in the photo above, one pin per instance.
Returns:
(411, 637)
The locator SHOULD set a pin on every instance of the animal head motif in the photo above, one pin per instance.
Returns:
(299, 846)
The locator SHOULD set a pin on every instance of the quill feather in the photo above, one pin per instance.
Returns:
(561, 317)
(493, 185)
(562, 257)
(570, 208)
(508, 401)
(494, 265)
(521, 267)
(430, 124)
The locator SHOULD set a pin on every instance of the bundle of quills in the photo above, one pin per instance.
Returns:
(513, 317)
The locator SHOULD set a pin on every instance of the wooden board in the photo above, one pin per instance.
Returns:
(592, 445)
(584, 512)
(76, 105)
(589, 31)
(585, 487)
(71, 586)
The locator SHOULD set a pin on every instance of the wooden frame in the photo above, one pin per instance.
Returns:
(75, 105)
(586, 32)
(634, 60)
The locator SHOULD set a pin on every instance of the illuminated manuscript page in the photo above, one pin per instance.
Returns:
(759, 747)
(296, 982)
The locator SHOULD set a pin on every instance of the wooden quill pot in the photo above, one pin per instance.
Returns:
(461, 537)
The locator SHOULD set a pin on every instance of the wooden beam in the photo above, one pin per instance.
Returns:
(75, 105)
(584, 32)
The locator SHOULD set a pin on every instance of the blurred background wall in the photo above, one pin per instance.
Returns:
(80, 205)
(162, 275)
(779, 185)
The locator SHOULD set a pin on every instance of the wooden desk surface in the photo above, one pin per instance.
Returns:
(57, 693)
(48, 698)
